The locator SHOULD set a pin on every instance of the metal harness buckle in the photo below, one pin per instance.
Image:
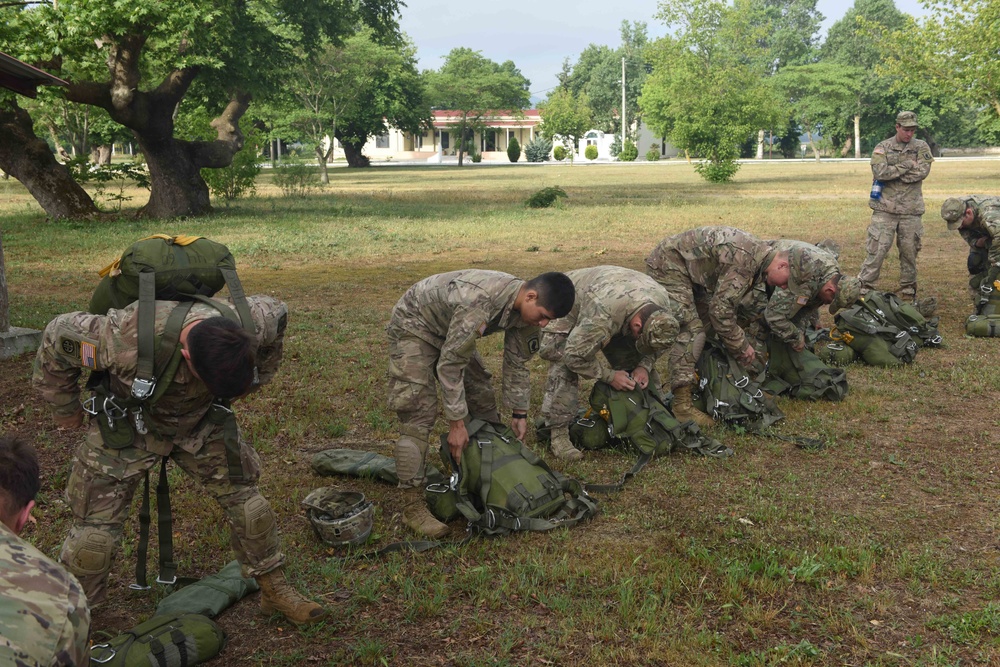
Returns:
(136, 587)
(744, 381)
(143, 388)
(173, 580)
(106, 647)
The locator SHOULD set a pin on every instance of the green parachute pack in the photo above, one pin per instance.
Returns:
(501, 486)
(883, 331)
(985, 323)
(167, 640)
(802, 375)
(727, 393)
(638, 419)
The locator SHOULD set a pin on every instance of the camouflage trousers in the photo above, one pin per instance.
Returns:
(413, 383)
(561, 402)
(104, 480)
(692, 316)
(907, 230)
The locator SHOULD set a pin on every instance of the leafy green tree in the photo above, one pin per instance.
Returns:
(151, 57)
(819, 95)
(477, 88)
(354, 91)
(566, 115)
(707, 92)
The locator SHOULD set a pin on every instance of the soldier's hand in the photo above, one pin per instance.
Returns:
(622, 381)
(907, 165)
(748, 356)
(520, 427)
(72, 421)
(641, 377)
(799, 345)
(458, 438)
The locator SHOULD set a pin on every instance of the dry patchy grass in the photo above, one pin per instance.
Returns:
(880, 550)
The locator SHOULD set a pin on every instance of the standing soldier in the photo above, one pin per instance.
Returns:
(432, 333)
(977, 219)
(708, 271)
(44, 618)
(619, 312)
(190, 422)
(899, 166)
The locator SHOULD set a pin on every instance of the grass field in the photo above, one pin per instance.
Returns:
(881, 549)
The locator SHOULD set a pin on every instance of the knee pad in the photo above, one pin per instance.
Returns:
(88, 551)
(258, 517)
(410, 455)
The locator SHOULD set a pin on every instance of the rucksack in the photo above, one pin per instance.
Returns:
(639, 419)
(167, 640)
(501, 486)
(877, 341)
(905, 316)
(802, 375)
(987, 326)
(727, 393)
(171, 268)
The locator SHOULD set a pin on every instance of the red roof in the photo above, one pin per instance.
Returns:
(528, 118)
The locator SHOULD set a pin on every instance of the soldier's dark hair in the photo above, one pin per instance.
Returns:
(19, 482)
(223, 356)
(646, 311)
(556, 293)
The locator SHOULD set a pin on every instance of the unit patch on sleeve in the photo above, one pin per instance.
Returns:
(69, 346)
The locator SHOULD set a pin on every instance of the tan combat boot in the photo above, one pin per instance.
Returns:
(278, 595)
(418, 518)
(561, 446)
(684, 409)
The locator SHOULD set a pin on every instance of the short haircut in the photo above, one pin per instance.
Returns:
(19, 481)
(223, 356)
(646, 311)
(556, 293)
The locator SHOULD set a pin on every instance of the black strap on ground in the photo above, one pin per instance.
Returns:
(411, 546)
(620, 484)
(168, 568)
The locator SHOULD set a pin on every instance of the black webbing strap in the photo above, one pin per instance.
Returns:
(140, 561)
(239, 299)
(146, 333)
(640, 463)
(168, 569)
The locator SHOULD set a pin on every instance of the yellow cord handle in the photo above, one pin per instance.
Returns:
(181, 240)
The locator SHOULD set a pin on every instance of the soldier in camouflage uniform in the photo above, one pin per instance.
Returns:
(432, 333)
(977, 219)
(187, 423)
(619, 312)
(44, 618)
(900, 164)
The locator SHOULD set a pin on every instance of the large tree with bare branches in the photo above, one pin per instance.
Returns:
(144, 60)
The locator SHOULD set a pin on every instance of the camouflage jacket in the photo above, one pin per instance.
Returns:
(451, 311)
(986, 225)
(75, 341)
(788, 309)
(606, 299)
(44, 618)
(901, 186)
(726, 263)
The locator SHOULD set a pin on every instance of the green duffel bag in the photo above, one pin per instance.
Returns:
(209, 596)
(905, 316)
(875, 340)
(835, 353)
(985, 326)
(802, 375)
(167, 640)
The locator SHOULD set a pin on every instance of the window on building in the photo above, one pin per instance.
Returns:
(490, 140)
(445, 141)
(382, 141)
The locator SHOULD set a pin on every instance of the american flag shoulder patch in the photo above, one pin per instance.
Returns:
(88, 355)
(801, 300)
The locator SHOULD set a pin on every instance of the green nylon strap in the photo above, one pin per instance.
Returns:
(168, 568)
(239, 299)
(146, 334)
(140, 561)
(640, 463)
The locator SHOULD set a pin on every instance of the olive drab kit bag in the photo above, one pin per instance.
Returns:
(884, 331)
(728, 394)
(986, 321)
(166, 640)
(185, 269)
(802, 375)
(500, 486)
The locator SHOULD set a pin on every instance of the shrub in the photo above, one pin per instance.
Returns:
(616, 145)
(590, 152)
(294, 179)
(110, 180)
(513, 150)
(719, 171)
(538, 149)
(545, 197)
(239, 178)
(629, 152)
(559, 153)
(653, 154)
(476, 156)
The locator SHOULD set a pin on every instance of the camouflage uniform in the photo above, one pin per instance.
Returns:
(607, 298)
(44, 619)
(789, 311)
(432, 333)
(897, 213)
(708, 271)
(103, 480)
(985, 225)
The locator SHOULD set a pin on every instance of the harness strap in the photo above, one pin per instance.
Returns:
(168, 569)
(144, 378)
(640, 463)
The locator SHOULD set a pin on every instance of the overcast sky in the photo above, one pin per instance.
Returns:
(539, 35)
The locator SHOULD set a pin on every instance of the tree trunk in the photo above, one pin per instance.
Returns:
(28, 159)
(812, 145)
(101, 155)
(4, 300)
(847, 147)
(760, 144)
(352, 151)
(176, 186)
(857, 135)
